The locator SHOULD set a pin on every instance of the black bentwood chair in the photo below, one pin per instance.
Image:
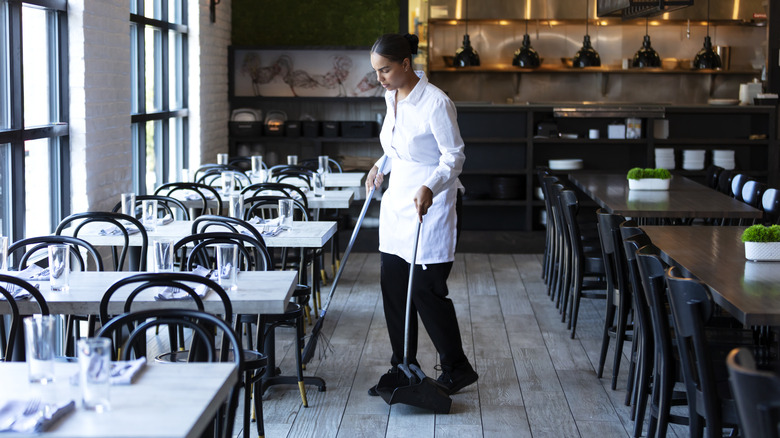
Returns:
(206, 330)
(9, 287)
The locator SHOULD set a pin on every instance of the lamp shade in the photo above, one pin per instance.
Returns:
(646, 56)
(526, 56)
(466, 56)
(707, 58)
(587, 55)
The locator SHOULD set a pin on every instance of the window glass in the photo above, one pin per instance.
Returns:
(37, 185)
(134, 67)
(175, 71)
(153, 74)
(176, 130)
(153, 160)
(35, 53)
(175, 11)
(5, 189)
(5, 104)
(152, 9)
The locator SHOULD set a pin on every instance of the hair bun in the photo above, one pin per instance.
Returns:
(413, 42)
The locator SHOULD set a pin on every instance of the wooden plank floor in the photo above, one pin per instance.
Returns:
(534, 380)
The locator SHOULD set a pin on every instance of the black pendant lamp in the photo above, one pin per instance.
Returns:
(587, 56)
(526, 56)
(646, 56)
(466, 56)
(707, 58)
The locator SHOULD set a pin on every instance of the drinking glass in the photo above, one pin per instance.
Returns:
(59, 267)
(39, 344)
(222, 158)
(128, 204)
(227, 265)
(319, 185)
(95, 373)
(324, 164)
(149, 218)
(286, 214)
(257, 164)
(3, 253)
(236, 206)
(228, 183)
(163, 255)
(185, 175)
(292, 160)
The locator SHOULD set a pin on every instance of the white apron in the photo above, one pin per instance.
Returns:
(398, 216)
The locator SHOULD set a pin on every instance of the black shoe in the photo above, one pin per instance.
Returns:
(372, 391)
(456, 379)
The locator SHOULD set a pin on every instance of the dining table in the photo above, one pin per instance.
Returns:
(330, 199)
(164, 401)
(685, 198)
(748, 290)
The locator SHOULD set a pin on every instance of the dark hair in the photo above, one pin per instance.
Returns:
(396, 47)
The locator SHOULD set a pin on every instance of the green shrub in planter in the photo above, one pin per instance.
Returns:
(639, 173)
(761, 233)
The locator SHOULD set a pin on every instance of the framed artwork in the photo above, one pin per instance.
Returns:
(291, 72)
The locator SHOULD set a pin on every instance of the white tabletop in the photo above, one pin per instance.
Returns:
(312, 234)
(258, 292)
(331, 199)
(344, 179)
(166, 400)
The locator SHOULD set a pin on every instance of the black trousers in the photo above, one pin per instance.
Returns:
(429, 300)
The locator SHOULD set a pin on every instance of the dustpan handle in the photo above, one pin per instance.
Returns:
(408, 321)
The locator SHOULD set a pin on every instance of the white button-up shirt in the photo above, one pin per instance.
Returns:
(423, 146)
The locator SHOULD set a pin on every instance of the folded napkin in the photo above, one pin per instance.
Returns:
(165, 220)
(29, 416)
(31, 273)
(267, 227)
(113, 230)
(196, 197)
(125, 372)
(172, 293)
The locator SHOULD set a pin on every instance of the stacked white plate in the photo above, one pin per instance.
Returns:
(664, 158)
(566, 164)
(693, 159)
(723, 158)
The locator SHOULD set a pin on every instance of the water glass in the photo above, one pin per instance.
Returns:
(257, 164)
(59, 267)
(3, 253)
(286, 214)
(227, 265)
(149, 218)
(236, 206)
(222, 158)
(95, 373)
(292, 160)
(128, 204)
(163, 255)
(228, 183)
(319, 185)
(185, 175)
(324, 164)
(39, 333)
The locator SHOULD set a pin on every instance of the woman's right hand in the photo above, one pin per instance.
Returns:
(374, 179)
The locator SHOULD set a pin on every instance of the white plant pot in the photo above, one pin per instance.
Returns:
(649, 184)
(762, 251)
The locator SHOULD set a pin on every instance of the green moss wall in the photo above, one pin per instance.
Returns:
(312, 22)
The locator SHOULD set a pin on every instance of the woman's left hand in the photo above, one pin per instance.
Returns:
(423, 200)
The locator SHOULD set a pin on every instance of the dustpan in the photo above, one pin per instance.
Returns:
(410, 385)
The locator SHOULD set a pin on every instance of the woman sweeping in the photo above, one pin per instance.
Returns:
(423, 152)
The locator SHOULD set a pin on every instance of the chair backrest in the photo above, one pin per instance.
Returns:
(213, 168)
(253, 254)
(214, 178)
(770, 203)
(276, 189)
(166, 205)
(203, 223)
(612, 250)
(711, 179)
(569, 207)
(79, 220)
(241, 162)
(702, 361)
(752, 193)
(30, 246)
(724, 181)
(737, 182)
(204, 326)
(267, 207)
(314, 164)
(757, 394)
(202, 191)
(281, 173)
(154, 282)
(8, 285)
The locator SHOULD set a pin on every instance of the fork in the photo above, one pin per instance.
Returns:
(32, 407)
(31, 413)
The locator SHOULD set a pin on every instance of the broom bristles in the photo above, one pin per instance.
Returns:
(311, 346)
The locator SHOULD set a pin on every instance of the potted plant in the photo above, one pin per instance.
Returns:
(648, 179)
(762, 243)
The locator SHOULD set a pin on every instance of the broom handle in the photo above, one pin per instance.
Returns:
(351, 241)
(408, 320)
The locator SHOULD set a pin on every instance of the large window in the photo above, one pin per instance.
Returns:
(158, 35)
(34, 160)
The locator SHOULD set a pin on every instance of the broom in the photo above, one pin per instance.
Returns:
(311, 346)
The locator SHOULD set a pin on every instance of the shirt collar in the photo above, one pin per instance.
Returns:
(416, 93)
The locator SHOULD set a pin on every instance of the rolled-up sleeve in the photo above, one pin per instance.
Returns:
(444, 126)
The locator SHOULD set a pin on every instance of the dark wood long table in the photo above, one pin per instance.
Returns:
(684, 199)
(749, 291)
